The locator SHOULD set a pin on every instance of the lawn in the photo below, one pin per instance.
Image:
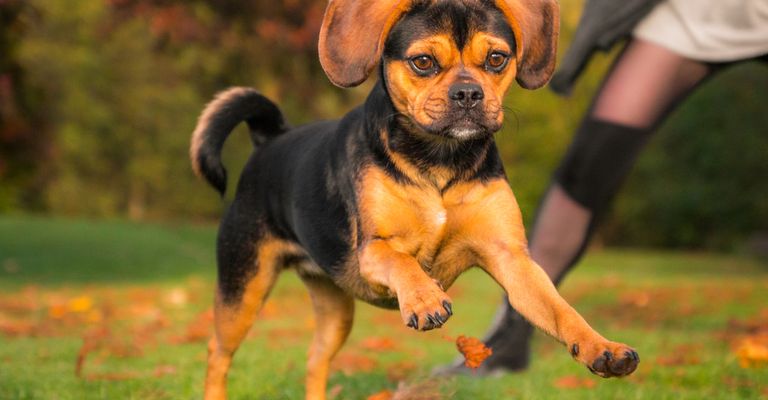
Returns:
(115, 310)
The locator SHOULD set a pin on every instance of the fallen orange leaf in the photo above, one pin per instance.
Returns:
(383, 395)
(574, 382)
(400, 370)
(80, 304)
(57, 311)
(378, 343)
(349, 363)
(474, 351)
(200, 328)
(752, 351)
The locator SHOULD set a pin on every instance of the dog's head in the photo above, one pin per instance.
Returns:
(446, 63)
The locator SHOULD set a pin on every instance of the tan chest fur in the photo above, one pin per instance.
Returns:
(441, 230)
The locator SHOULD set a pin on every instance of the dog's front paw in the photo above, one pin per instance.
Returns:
(425, 308)
(607, 359)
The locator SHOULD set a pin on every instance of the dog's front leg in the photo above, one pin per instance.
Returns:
(531, 292)
(423, 304)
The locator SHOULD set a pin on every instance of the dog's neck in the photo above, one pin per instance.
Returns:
(411, 154)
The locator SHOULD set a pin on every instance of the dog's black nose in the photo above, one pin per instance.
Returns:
(466, 94)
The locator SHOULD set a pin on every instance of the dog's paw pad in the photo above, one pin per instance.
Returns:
(620, 361)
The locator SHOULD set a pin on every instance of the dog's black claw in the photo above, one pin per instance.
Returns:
(439, 319)
(448, 308)
(575, 350)
(431, 323)
(413, 322)
(608, 355)
(626, 365)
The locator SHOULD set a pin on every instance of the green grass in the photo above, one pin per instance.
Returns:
(142, 287)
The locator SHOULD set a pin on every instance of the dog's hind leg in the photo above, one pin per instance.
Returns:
(334, 312)
(248, 269)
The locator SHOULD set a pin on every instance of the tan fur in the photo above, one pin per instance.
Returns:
(536, 25)
(425, 99)
(352, 37)
(418, 241)
(499, 240)
(334, 312)
(233, 322)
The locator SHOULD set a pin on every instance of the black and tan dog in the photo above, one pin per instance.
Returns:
(391, 203)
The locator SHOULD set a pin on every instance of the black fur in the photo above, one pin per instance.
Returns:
(459, 19)
(264, 120)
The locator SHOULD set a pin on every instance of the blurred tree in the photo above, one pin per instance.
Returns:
(704, 180)
(23, 139)
(104, 94)
(124, 81)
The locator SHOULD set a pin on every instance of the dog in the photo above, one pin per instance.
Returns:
(394, 201)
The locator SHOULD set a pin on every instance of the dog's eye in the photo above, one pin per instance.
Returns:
(496, 61)
(423, 64)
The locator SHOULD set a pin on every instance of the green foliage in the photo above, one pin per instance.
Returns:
(112, 89)
(702, 182)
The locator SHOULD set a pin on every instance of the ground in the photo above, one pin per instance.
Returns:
(114, 310)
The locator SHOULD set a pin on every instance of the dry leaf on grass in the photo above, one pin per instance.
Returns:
(574, 382)
(474, 351)
(425, 390)
(378, 343)
(383, 395)
(15, 327)
(749, 338)
(678, 360)
(400, 370)
(752, 351)
(91, 341)
(200, 329)
(683, 354)
(350, 363)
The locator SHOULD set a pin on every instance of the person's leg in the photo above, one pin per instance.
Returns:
(645, 83)
(644, 86)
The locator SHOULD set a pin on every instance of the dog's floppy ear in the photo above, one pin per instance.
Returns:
(536, 24)
(352, 37)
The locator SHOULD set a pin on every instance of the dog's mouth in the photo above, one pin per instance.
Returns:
(465, 129)
(463, 126)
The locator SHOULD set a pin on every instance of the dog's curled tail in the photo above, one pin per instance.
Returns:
(220, 117)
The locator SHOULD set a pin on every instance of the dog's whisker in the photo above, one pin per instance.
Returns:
(509, 113)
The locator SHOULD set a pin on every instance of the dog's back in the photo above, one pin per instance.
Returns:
(295, 182)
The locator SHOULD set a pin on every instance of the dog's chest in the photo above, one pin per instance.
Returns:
(419, 221)
(413, 221)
